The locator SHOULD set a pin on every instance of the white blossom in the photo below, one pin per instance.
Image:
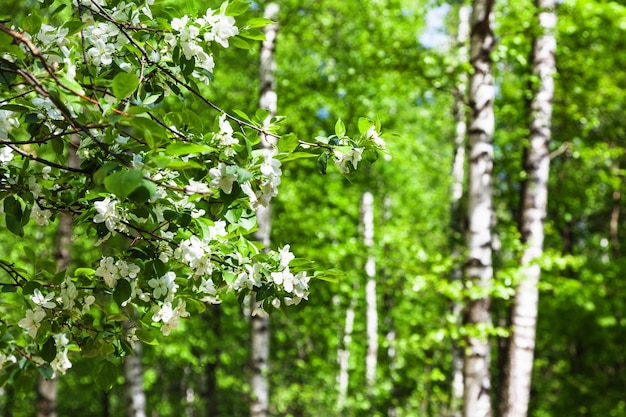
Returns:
(41, 217)
(32, 321)
(169, 316)
(221, 178)
(108, 271)
(163, 285)
(6, 154)
(43, 301)
(108, 214)
(343, 158)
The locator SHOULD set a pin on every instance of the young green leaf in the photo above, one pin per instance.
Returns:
(340, 129)
(49, 350)
(124, 84)
(122, 183)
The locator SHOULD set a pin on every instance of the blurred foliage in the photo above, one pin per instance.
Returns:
(344, 59)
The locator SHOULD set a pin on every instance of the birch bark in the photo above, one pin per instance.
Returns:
(458, 179)
(519, 365)
(259, 381)
(133, 382)
(367, 210)
(343, 355)
(479, 269)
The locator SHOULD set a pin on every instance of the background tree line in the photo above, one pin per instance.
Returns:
(348, 59)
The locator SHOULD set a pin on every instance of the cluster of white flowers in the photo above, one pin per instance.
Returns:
(164, 286)
(296, 285)
(343, 157)
(270, 169)
(111, 270)
(249, 278)
(225, 136)
(53, 37)
(61, 363)
(107, 213)
(375, 137)
(105, 39)
(212, 27)
(47, 109)
(196, 253)
(169, 316)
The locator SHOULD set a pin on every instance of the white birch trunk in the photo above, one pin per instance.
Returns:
(133, 384)
(343, 356)
(479, 269)
(519, 365)
(367, 210)
(458, 179)
(260, 344)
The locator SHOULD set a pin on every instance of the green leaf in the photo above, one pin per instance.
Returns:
(364, 124)
(105, 374)
(57, 145)
(151, 131)
(144, 192)
(13, 210)
(237, 7)
(124, 84)
(288, 143)
(146, 337)
(15, 108)
(297, 155)
(84, 272)
(242, 115)
(176, 149)
(258, 22)
(49, 350)
(238, 42)
(122, 183)
(340, 129)
(74, 26)
(322, 163)
(254, 34)
(46, 371)
(122, 291)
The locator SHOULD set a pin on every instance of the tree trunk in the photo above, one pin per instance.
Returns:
(343, 354)
(367, 211)
(133, 381)
(519, 364)
(479, 269)
(458, 179)
(259, 382)
(47, 389)
(133, 385)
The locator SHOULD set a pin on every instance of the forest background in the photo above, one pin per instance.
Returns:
(376, 59)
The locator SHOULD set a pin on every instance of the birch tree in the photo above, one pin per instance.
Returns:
(367, 210)
(519, 364)
(479, 269)
(133, 382)
(458, 180)
(259, 382)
